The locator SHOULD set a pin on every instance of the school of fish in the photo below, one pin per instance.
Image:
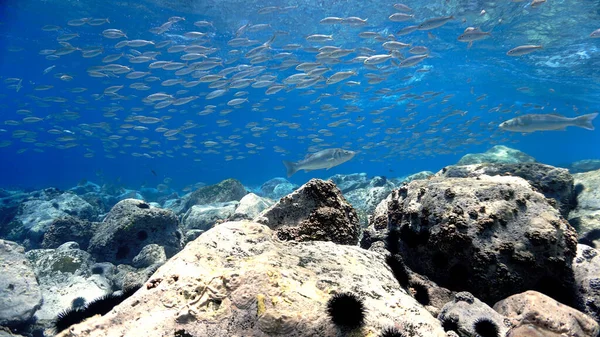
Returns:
(183, 67)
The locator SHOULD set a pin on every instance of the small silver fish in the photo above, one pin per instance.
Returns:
(523, 50)
(548, 122)
(324, 159)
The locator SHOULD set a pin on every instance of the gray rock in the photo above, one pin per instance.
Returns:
(35, 216)
(465, 310)
(547, 314)
(65, 278)
(250, 207)
(205, 216)
(552, 182)
(134, 279)
(192, 235)
(586, 268)
(130, 194)
(177, 205)
(85, 188)
(67, 229)
(316, 211)
(492, 236)
(365, 199)
(149, 255)
(497, 154)
(586, 215)
(226, 190)
(19, 288)
(585, 166)
(131, 225)
(256, 285)
(277, 188)
(349, 182)
(417, 176)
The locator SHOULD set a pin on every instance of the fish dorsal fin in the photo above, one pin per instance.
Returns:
(308, 155)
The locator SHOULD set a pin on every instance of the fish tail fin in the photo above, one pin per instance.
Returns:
(290, 167)
(585, 121)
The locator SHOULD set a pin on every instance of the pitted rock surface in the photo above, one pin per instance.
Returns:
(129, 226)
(317, 211)
(238, 279)
(20, 292)
(492, 236)
(552, 182)
(226, 190)
(547, 314)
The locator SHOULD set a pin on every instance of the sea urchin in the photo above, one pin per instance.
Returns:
(346, 310)
(485, 327)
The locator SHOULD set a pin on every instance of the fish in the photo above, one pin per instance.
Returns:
(473, 34)
(400, 17)
(547, 122)
(523, 50)
(435, 22)
(324, 159)
(595, 34)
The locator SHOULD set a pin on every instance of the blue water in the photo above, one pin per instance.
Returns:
(562, 78)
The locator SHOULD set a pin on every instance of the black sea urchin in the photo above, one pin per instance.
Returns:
(450, 323)
(485, 327)
(346, 310)
(391, 332)
(398, 269)
(68, 317)
(98, 306)
(421, 293)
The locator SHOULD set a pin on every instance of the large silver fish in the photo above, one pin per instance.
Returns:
(324, 159)
(548, 122)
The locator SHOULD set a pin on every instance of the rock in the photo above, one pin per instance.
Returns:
(552, 182)
(136, 278)
(316, 211)
(205, 216)
(151, 194)
(149, 255)
(492, 236)
(546, 313)
(277, 188)
(192, 235)
(530, 330)
(131, 225)
(67, 229)
(416, 176)
(365, 199)
(250, 207)
(19, 288)
(254, 285)
(497, 154)
(85, 188)
(586, 215)
(177, 205)
(465, 310)
(586, 268)
(66, 279)
(36, 215)
(349, 182)
(585, 166)
(226, 190)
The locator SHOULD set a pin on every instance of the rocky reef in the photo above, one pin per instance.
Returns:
(483, 249)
